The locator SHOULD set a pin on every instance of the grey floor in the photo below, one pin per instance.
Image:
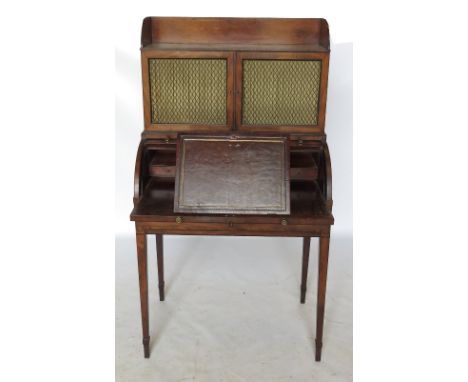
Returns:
(232, 312)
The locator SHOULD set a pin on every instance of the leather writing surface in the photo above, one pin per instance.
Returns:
(232, 175)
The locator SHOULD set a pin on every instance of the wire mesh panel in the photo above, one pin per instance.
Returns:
(281, 92)
(188, 91)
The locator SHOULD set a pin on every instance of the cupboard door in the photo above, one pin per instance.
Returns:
(187, 90)
(281, 91)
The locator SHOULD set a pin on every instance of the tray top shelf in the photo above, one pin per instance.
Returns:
(236, 47)
(235, 34)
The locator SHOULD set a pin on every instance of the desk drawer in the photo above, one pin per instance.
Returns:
(282, 228)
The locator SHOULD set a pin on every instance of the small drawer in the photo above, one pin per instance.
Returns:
(163, 164)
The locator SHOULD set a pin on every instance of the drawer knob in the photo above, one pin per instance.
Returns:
(284, 222)
(178, 220)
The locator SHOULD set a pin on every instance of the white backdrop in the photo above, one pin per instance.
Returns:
(215, 283)
(57, 274)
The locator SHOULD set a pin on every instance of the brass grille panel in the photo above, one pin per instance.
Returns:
(281, 92)
(188, 91)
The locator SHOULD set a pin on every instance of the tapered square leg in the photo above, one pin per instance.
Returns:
(143, 279)
(160, 256)
(305, 267)
(321, 290)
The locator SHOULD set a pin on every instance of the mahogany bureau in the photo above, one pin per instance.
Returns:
(233, 140)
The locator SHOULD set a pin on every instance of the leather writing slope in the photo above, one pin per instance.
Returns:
(232, 175)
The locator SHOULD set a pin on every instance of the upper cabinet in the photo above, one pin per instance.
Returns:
(221, 74)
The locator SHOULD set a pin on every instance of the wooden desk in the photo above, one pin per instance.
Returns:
(303, 43)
